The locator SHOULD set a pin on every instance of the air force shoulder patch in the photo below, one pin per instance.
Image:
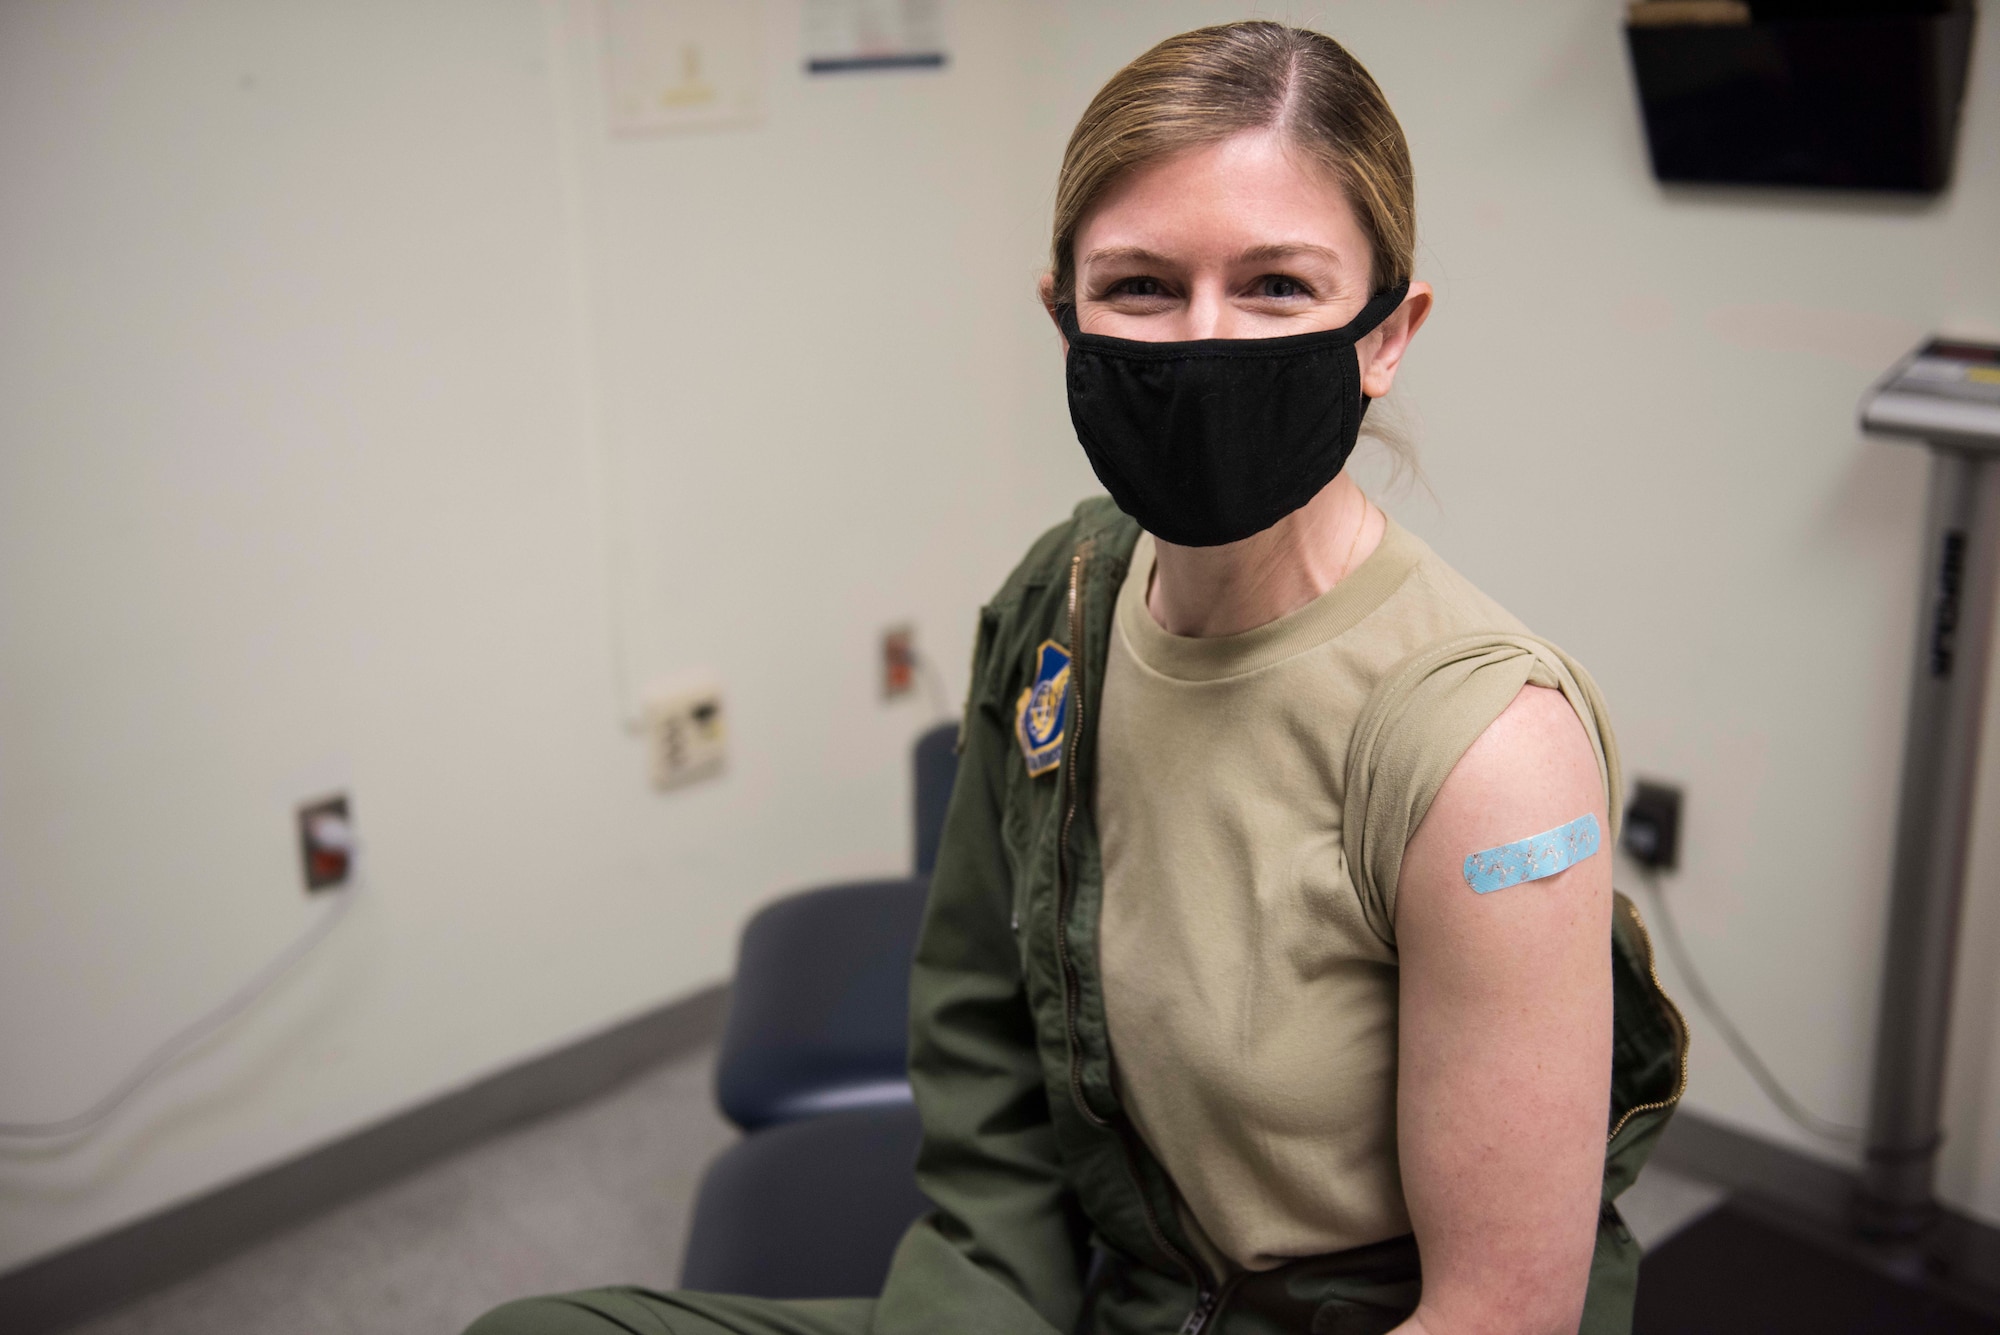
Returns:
(1042, 716)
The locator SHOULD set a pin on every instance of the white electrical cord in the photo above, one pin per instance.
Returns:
(1766, 1079)
(190, 1037)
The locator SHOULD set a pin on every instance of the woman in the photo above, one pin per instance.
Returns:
(1266, 954)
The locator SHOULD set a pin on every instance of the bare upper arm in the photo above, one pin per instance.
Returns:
(1505, 1033)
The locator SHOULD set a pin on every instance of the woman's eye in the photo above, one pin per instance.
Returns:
(1137, 287)
(1282, 288)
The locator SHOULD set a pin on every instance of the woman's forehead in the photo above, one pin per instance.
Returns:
(1251, 196)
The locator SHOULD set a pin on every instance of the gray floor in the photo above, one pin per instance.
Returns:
(598, 1195)
(1661, 1204)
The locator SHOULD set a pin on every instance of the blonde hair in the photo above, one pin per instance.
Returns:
(1212, 83)
(1206, 85)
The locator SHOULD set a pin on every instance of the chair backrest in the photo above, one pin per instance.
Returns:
(937, 769)
(819, 1010)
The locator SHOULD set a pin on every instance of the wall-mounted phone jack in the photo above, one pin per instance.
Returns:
(1653, 826)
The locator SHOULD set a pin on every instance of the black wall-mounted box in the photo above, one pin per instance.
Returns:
(1843, 94)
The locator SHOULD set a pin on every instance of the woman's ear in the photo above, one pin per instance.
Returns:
(1391, 340)
(1045, 288)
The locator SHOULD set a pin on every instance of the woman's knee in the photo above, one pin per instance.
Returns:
(592, 1313)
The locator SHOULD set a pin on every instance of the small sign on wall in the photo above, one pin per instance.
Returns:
(846, 36)
(682, 64)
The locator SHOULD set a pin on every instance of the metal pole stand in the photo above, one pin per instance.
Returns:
(1960, 420)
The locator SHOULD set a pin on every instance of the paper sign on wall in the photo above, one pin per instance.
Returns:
(682, 64)
(843, 36)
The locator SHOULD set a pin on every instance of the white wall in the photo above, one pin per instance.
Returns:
(339, 343)
(339, 346)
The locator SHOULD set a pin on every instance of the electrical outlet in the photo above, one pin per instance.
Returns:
(687, 732)
(1653, 825)
(899, 661)
(326, 843)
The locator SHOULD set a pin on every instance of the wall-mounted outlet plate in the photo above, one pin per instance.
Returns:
(326, 843)
(899, 661)
(686, 731)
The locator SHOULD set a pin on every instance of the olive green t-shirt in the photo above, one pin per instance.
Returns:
(1255, 794)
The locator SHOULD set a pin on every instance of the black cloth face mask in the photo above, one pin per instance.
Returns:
(1210, 441)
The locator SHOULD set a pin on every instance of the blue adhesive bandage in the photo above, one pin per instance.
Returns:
(1533, 858)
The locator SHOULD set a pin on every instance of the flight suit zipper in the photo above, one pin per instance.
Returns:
(1208, 1297)
(1064, 875)
(1208, 1306)
(1680, 1023)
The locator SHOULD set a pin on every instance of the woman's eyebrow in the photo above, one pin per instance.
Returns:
(1288, 250)
(1126, 255)
(1266, 254)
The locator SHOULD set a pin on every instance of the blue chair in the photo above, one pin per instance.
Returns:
(819, 1006)
(936, 770)
(815, 1065)
(810, 1209)
(819, 1010)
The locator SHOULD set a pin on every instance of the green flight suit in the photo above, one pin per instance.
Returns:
(1026, 1153)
